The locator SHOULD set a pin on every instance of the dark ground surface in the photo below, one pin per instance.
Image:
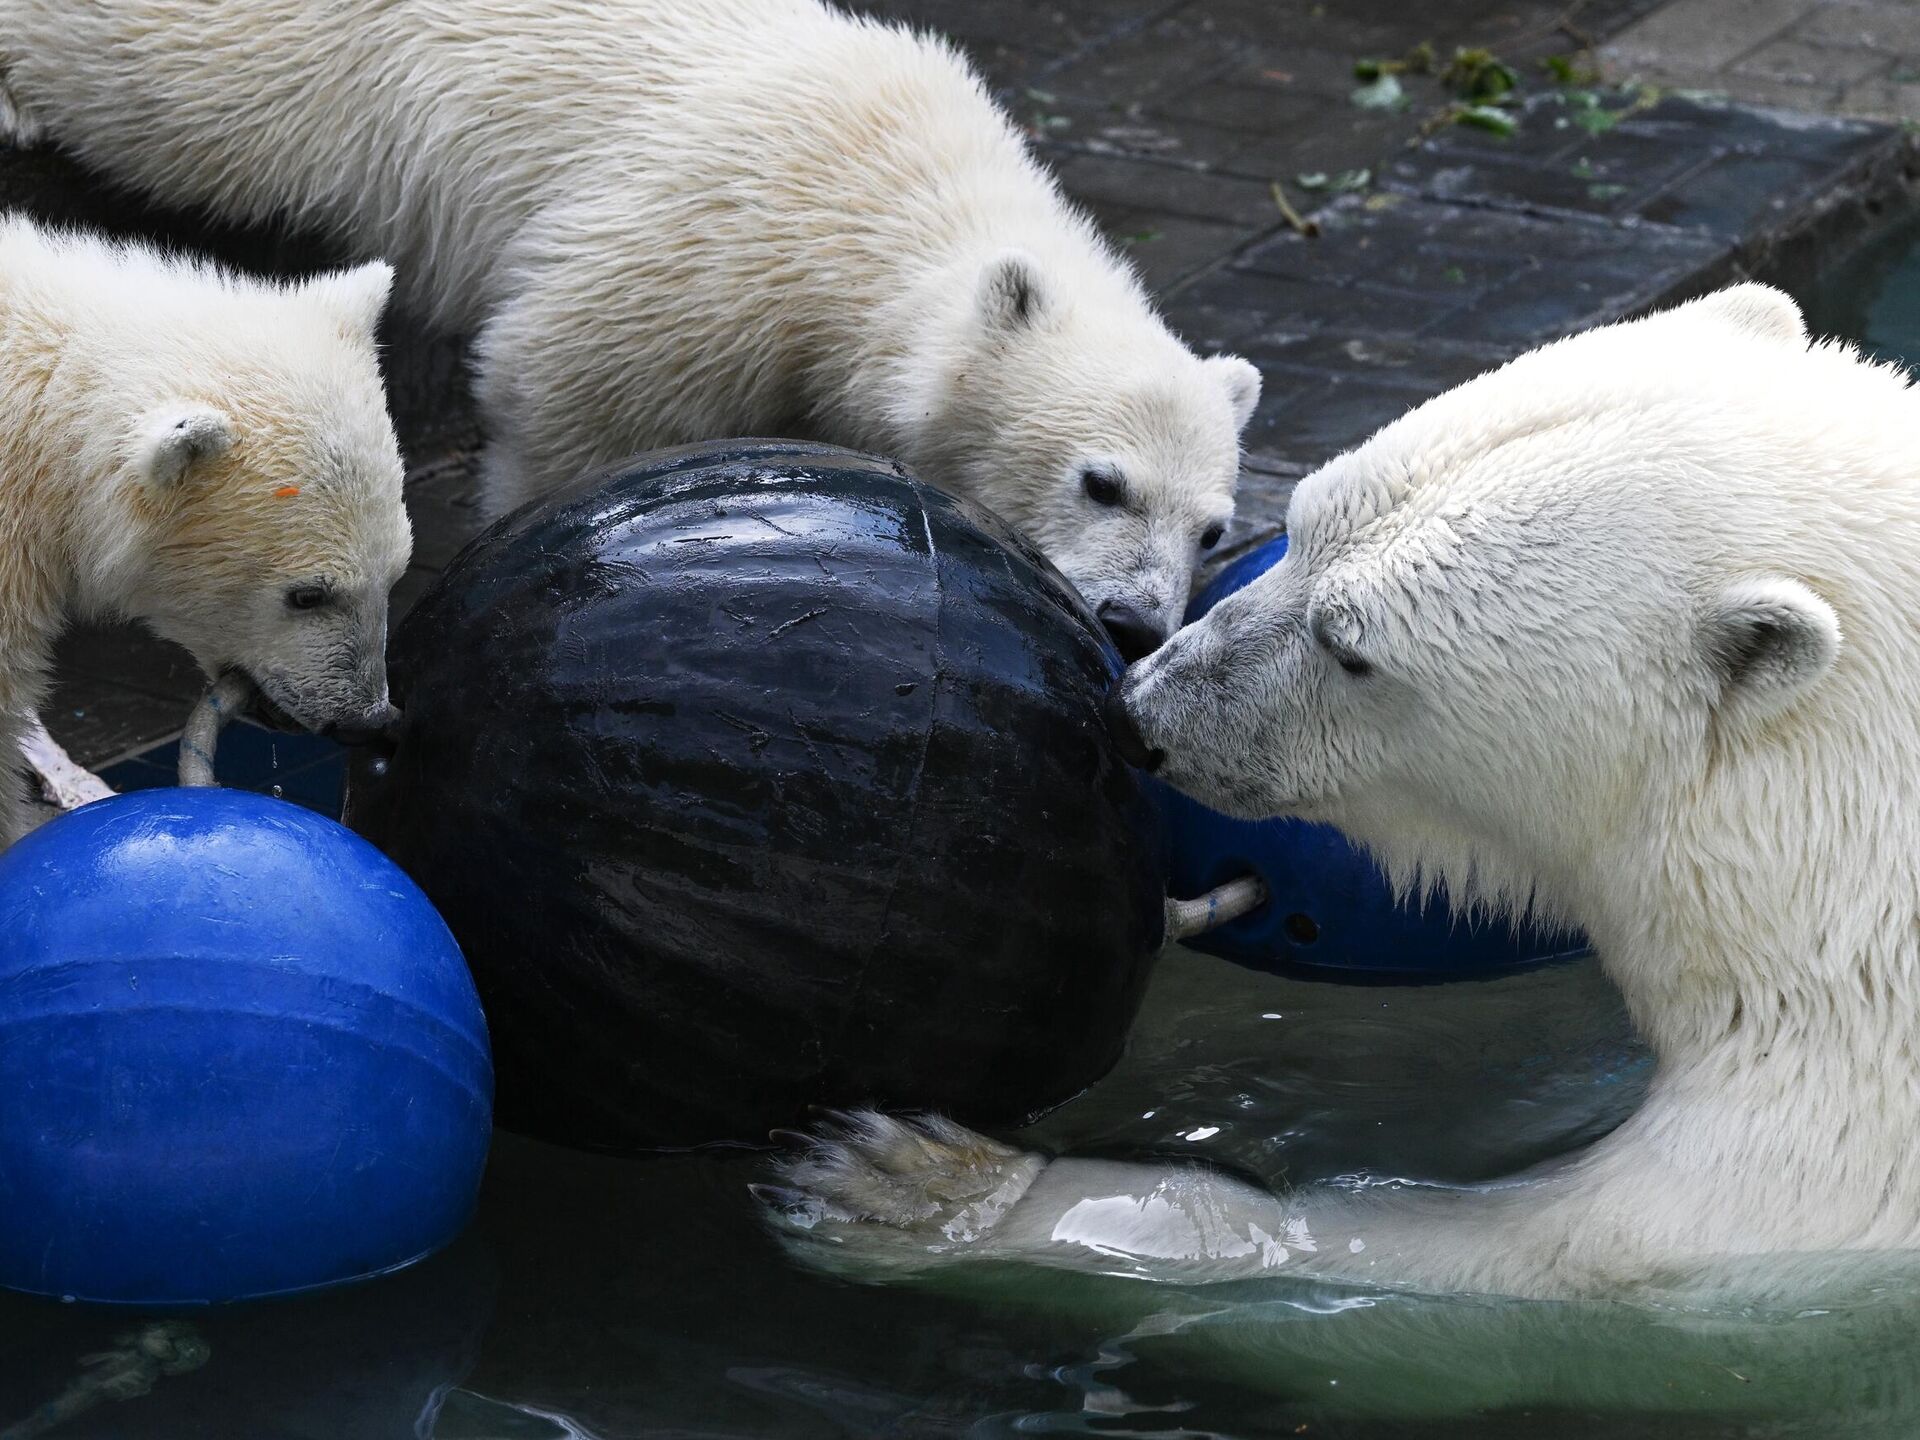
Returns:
(1173, 122)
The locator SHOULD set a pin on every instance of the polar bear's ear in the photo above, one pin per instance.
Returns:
(1770, 639)
(174, 439)
(1242, 383)
(1754, 310)
(1012, 294)
(356, 296)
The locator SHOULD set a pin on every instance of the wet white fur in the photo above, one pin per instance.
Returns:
(673, 220)
(1641, 615)
(150, 408)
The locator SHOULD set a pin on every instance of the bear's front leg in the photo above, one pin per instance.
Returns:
(870, 1192)
(872, 1195)
(18, 814)
(22, 686)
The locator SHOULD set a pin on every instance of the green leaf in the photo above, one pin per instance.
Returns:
(1480, 76)
(1605, 192)
(1568, 72)
(1486, 117)
(1596, 121)
(1338, 184)
(1382, 94)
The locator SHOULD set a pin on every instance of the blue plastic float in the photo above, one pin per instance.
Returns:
(240, 1055)
(1331, 914)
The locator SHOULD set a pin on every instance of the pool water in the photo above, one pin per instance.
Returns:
(1873, 295)
(605, 1297)
(610, 1297)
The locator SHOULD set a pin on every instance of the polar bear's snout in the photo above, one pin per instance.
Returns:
(377, 722)
(1161, 711)
(1127, 738)
(1134, 633)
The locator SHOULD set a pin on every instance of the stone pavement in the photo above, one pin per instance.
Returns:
(1836, 57)
(1206, 135)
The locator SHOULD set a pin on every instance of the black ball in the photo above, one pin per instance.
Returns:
(759, 775)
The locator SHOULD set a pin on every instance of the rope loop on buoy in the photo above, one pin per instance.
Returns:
(1187, 918)
(224, 699)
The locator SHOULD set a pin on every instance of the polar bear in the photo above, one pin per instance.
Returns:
(671, 220)
(208, 454)
(1622, 634)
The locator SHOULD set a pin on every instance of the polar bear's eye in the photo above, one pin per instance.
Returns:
(1210, 537)
(1348, 660)
(308, 597)
(1103, 485)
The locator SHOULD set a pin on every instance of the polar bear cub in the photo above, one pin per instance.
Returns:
(208, 454)
(1623, 634)
(674, 220)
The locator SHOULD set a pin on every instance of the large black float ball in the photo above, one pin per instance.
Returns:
(759, 775)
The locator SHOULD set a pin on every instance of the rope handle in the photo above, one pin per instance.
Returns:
(1187, 918)
(224, 699)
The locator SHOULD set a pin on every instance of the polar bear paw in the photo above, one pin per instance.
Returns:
(870, 1191)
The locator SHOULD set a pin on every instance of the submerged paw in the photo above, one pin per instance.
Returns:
(923, 1175)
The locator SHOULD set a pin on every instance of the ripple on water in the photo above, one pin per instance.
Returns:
(1292, 1081)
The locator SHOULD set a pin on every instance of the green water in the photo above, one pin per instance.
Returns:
(1873, 296)
(605, 1298)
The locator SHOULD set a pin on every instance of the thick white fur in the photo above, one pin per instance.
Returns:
(151, 412)
(672, 220)
(1639, 611)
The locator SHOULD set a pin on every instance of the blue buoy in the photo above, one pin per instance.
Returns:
(240, 1055)
(1331, 914)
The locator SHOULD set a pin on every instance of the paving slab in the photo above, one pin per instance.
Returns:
(1835, 57)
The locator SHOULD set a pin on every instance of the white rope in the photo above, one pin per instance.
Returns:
(225, 699)
(1187, 918)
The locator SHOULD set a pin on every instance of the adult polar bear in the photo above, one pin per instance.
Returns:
(1625, 632)
(676, 219)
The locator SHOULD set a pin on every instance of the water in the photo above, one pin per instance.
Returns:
(607, 1297)
(611, 1298)
(1873, 296)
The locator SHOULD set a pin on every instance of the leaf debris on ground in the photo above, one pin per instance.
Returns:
(1486, 91)
(1339, 183)
(1300, 224)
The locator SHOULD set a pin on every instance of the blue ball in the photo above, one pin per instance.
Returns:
(240, 1055)
(1331, 914)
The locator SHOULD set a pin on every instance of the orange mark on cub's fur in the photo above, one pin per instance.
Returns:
(287, 492)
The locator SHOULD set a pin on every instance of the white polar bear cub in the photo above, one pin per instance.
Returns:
(673, 220)
(1624, 632)
(209, 454)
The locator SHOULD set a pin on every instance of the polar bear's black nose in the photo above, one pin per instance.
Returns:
(375, 727)
(1133, 636)
(1127, 738)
